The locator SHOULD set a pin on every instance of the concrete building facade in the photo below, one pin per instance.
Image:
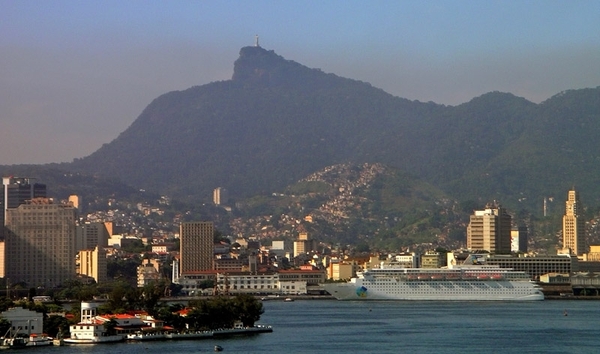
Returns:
(537, 266)
(90, 235)
(196, 246)
(519, 239)
(16, 191)
(489, 230)
(23, 322)
(40, 243)
(92, 263)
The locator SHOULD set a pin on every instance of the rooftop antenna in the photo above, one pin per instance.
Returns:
(256, 43)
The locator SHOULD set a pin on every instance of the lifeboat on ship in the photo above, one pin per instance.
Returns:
(497, 277)
(483, 277)
(437, 277)
(424, 277)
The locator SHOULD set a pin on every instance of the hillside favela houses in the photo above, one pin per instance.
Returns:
(188, 260)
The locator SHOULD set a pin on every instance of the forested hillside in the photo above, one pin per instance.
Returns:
(277, 121)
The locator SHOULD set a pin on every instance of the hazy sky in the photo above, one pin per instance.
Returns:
(75, 74)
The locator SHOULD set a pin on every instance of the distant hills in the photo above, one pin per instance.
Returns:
(369, 204)
(277, 121)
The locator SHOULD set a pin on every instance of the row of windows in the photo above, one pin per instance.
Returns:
(235, 287)
(250, 282)
(454, 290)
(21, 328)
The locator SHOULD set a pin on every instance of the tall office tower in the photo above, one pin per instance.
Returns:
(304, 244)
(489, 230)
(196, 246)
(90, 235)
(574, 225)
(92, 262)
(220, 196)
(15, 191)
(40, 243)
(2, 258)
(518, 239)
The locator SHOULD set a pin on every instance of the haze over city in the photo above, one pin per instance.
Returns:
(73, 75)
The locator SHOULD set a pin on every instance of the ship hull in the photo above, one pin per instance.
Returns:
(96, 340)
(436, 291)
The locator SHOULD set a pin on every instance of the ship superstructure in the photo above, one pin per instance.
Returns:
(468, 282)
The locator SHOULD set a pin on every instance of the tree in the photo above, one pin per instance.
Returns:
(56, 326)
(110, 327)
(116, 298)
(5, 304)
(169, 314)
(5, 325)
(248, 309)
(150, 296)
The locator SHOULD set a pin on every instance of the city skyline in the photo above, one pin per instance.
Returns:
(75, 75)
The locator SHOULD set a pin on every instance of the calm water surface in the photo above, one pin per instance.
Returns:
(329, 326)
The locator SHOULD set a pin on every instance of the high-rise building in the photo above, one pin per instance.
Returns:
(40, 243)
(92, 262)
(304, 244)
(196, 246)
(90, 235)
(220, 196)
(489, 230)
(16, 191)
(518, 239)
(574, 225)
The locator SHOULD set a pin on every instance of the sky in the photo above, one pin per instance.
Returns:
(75, 74)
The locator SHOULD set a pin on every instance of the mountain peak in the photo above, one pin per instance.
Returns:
(257, 65)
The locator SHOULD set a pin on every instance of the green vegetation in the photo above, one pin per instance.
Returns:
(259, 133)
(307, 187)
(277, 121)
(222, 312)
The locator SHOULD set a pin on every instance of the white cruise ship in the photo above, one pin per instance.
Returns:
(472, 281)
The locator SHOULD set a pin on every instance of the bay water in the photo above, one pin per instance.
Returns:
(330, 326)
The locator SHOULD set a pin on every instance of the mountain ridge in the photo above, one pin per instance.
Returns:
(276, 121)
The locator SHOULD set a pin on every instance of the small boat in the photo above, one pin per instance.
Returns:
(218, 348)
(21, 342)
(288, 299)
(14, 343)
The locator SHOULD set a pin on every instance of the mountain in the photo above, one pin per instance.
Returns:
(277, 121)
(273, 123)
(369, 204)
